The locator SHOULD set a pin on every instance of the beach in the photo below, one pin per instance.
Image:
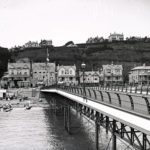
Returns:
(20, 103)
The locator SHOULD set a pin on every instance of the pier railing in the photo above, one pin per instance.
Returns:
(124, 99)
(139, 89)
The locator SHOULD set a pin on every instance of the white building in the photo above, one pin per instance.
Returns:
(90, 77)
(31, 44)
(116, 37)
(112, 74)
(45, 43)
(66, 75)
(2, 93)
(140, 75)
(18, 75)
(29, 74)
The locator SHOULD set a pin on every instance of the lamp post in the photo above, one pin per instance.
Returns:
(111, 79)
(101, 78)
(47, 61)
(56, 75)
(83, 65)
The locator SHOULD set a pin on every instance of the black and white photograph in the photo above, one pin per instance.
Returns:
(74, 74)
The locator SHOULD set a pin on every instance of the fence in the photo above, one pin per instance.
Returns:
(122, 98)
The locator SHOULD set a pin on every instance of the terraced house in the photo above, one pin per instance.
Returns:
(140, 75)
(66, 75)
(26, 74)
(112, 74)
(18, 75)
(90, 77)
(43, 74)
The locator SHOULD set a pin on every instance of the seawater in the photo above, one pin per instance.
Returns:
(40, 129)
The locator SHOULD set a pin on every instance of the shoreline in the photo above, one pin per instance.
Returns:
(34, 102)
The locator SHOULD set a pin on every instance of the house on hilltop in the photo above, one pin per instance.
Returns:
(115, 37)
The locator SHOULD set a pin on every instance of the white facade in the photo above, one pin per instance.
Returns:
(18, 75)
(140, 75)
(90, 77)
(66, 75)
(2, 93)
(112, 73)
(31, 44)
(45, 43)
(29, 74)
(116, 37)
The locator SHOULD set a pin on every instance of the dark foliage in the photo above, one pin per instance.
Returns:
(4, 56)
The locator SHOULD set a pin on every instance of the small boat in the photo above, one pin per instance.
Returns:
(40, 100)
(7, 109)
(28, 107)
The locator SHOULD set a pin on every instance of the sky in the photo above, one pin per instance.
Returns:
(71, 20)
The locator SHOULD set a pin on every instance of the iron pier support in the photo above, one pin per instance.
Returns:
(97, 130)
(67, 119)
(114, 140)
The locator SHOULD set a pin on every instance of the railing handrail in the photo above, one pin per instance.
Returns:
(99, 95)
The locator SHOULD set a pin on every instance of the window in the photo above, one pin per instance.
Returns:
(108, 78)
(70, 71)
(117, 78)
(19, 72)
(62, 72)
(108, 71)
(117, 70)
(67, 72)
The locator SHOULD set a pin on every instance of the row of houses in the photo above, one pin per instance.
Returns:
(33, 44)
(35, 74)
(117, 37)
(36, 44)
(112, 37)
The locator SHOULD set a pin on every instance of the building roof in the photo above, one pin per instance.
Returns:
(66, 67)
(116, 34)
(43, 65)
(112, 66)
(141, 68)
(18, 65)
(92, 73)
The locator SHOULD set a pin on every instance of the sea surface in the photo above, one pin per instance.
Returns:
(40, 129)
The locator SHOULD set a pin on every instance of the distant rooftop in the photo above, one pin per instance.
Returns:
(141, 67)
(116, 34)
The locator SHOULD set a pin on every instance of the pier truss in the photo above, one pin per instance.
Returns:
(125, 130)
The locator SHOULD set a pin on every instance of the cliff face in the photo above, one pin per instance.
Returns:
(128, 54)
(4, 56)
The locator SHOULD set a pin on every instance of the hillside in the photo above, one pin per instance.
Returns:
(128, 54)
